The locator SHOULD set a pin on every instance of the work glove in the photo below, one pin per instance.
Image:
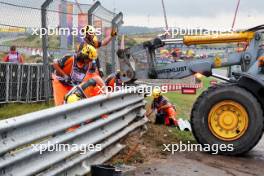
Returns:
(114, 32)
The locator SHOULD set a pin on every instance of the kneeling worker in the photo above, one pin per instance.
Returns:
(70, 71)
(166, 112)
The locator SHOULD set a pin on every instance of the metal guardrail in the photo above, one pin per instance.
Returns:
(18, 157)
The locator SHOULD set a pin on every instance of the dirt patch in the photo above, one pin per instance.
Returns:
(148, 147)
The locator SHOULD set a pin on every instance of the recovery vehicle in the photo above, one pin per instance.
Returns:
(227, 113)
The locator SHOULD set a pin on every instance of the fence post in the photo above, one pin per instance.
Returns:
(28, 85)
(63, 24)
(91, 10)
(116, 22)
(38, 83)
(7, 81)
(21, 83)
(18, 82)
(45, 48)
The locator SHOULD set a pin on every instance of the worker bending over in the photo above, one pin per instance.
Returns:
(165, 111)
(71, 71)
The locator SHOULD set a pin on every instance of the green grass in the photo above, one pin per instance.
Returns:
(184, 102)
(12, 110)
(183, 136)
(2, 55)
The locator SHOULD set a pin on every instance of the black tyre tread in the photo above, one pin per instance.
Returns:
(208, 91)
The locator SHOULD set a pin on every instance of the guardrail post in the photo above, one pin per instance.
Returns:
(116, 22)
(91, 10)
(45, 48)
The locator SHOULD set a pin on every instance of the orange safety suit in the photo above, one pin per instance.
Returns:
(75, 69)
(167, 114)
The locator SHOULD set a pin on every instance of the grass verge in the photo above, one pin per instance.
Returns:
(16, 109)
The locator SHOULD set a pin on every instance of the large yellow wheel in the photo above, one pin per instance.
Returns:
(228, 120)
(227, 115)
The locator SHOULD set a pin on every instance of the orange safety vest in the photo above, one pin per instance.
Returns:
(72, 69)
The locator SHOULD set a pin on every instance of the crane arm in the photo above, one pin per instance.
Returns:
(183, 69)
(150, 68)
(233, 37)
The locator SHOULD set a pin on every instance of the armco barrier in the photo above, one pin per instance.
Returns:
(19, 158)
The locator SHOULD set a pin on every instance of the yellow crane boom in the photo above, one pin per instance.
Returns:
(218, 38)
